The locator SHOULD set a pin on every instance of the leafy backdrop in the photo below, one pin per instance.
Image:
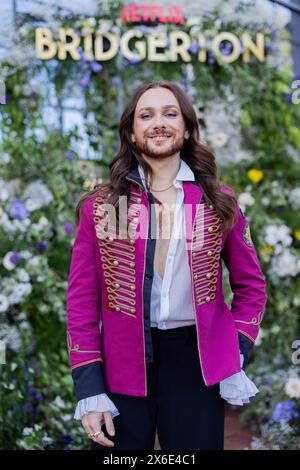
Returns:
(59, 132)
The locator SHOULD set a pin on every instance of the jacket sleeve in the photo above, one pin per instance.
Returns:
(83, 302)
(247, 282)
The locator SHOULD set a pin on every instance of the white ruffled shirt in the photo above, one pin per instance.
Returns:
(175, 290)
(236, 390)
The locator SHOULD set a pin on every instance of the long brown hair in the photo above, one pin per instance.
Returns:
(198, 156)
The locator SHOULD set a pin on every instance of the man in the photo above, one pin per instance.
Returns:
(167, 341)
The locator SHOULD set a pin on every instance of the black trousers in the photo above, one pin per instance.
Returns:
(186, 413)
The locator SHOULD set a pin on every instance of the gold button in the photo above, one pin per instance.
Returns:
(211, 206)
(131, 241)
(208, 275)
(209, 253)
(117, 308)
(196, 276)
(111, 239)
(131, 264)
(115, 262)
(117, 285)
(210, 229)
(193, 255)
(207, 298)
(132, 310)
(132, 287)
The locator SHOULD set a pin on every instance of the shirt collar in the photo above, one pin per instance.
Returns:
(185, 173)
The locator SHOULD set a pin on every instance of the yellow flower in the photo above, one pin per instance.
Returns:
(297, 234)
(266, 250)
(255, 175)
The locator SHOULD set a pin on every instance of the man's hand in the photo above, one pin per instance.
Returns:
(91, 423)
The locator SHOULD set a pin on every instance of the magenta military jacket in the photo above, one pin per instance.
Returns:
(109, 288)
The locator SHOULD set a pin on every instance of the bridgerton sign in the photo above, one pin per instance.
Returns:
(155, 46)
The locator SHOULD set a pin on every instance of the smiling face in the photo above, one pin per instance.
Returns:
(158, 125)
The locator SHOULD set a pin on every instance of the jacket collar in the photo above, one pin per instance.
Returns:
(185, 173)
(134, 177)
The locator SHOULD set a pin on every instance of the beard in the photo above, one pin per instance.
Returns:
(159, 152)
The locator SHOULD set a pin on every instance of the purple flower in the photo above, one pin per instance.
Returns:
(69, 154)
(211, 58)
(96, 67)
(42, 246)
(288, 97)
(27, 407)
(268, 383)
(68, 228)
(285, 411)
(193, 47)
(32, 391)
(271, 48)
(85, 79)
(226, 48)
(67, 438)
(148, 73)
(134, 60)
(15, 258)
(116, 81)
(17, 210)
(274, 32)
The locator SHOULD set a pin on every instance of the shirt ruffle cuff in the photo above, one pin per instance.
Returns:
(98, 403)
(238, 388)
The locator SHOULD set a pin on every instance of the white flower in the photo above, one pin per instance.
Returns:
(43, 221)
(4, 194)
(292, 387)
(4, 304)
(11, 336)
(21, 316)
(31, 205)
(6, 261)
(275, 329)
(47, 440)
(5, 158)
(22, 275)
(59, 402)
(24, 325)
(219, 139)
(294, 198)
(275, 234)
(37, 194)
(260, 336)
(66, 418)
(92, 22)
(27, 431)
(245, 199)
(265, 201)
(33, 262)
(222, 126)
(285, 264)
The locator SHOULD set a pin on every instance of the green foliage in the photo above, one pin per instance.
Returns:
(37, 398)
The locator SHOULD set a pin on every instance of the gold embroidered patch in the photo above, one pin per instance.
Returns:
(247, 235)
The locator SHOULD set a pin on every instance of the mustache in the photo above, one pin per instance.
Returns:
(163, 133)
